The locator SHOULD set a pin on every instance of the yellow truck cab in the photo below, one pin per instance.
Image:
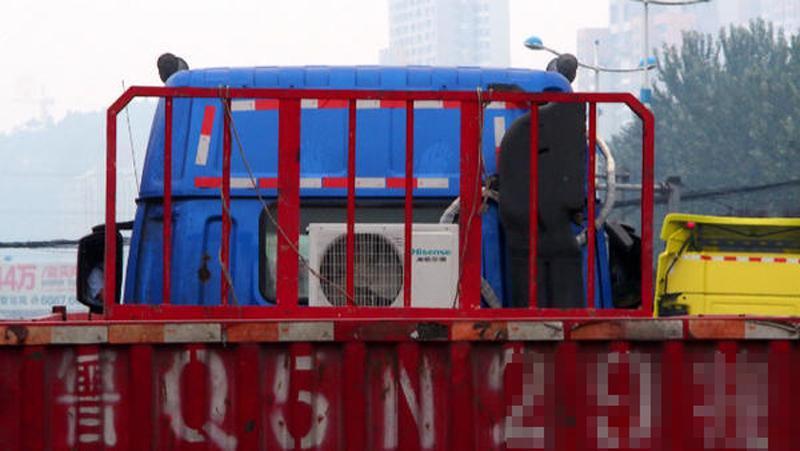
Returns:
(729, 266)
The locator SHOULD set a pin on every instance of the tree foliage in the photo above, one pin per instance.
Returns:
(727, 110)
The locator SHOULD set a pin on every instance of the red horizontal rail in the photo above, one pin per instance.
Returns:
(289, 105)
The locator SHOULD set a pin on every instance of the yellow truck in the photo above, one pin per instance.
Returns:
(729, 266)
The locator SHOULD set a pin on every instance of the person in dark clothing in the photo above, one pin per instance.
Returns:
(562, 154)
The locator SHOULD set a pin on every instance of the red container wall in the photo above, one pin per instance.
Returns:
(381, 395)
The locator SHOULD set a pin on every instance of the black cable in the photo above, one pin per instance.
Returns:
(717, 192)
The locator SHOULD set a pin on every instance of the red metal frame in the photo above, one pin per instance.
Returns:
(351, 201)
(591, 243)
(409, 202)
(533, 218)
(471, 105)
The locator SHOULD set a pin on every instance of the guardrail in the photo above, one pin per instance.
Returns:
(289, 101)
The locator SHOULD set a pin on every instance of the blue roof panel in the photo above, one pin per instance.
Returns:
(380, 138)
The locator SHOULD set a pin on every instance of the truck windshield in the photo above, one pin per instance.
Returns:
(371, 211)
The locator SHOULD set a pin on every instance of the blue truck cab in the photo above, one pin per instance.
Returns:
(380, 163)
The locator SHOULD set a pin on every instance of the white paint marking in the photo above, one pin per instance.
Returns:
(302, 363)
(203, 144)
(217, 406)
(370, 182)
(243, 105)
(433, 182)
(311, 182)
(368, 104)
(389, 410)
(428, 104)
(242, 183)
(89, 438)
(499, 129)
(309, 103)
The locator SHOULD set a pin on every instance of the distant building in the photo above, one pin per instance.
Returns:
(620, 45)
(448, 33)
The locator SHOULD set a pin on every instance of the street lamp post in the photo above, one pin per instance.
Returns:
(596, 63)
(646, 93)
(535, 43)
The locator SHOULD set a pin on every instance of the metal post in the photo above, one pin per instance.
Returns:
(350, 256)
(167, 232)
(644, 95)
(673, 194)
(596, 66)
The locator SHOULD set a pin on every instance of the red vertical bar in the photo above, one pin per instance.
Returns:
(567, 415)
(590, 195)
(143, 397)
(647, 210)
(288, 199)
(780, 399)
(533, 211)
(470, 219)
(462, 430)
(302, 368)
(33, 407)
(355, 395)
(14, 385)
(351, 200)
(409, 415)
(109, 265)
(167, 241)
(676, 391)
(226, 202)
(249, 396)
(409, 206)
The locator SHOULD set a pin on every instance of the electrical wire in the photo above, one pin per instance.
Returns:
(130, 138)
(480, 178)
(306, 265)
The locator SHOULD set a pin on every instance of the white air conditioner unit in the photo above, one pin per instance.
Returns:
(378, 265)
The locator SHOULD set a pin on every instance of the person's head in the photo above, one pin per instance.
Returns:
(168, 64)
(565, 64)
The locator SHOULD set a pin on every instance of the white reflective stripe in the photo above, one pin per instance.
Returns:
(302, 363)
(202, 150)
(499, 130)
(310, 182)
(740, 258)
(496, 105)
(309, 103)
(243, 105)
(370, 182)
(242, 182)
(428, 104)
(440, 182)
(368, 104)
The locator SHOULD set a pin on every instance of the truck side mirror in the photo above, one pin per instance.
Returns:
(91, 253)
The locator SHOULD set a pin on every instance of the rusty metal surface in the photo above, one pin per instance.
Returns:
(602, 384)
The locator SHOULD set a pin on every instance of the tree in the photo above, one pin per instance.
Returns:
(727, 113)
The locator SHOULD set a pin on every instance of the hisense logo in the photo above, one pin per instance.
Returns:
(430, 252)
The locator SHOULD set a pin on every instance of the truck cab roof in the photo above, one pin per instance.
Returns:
(197, 125)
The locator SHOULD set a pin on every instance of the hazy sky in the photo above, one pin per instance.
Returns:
(59, 56)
